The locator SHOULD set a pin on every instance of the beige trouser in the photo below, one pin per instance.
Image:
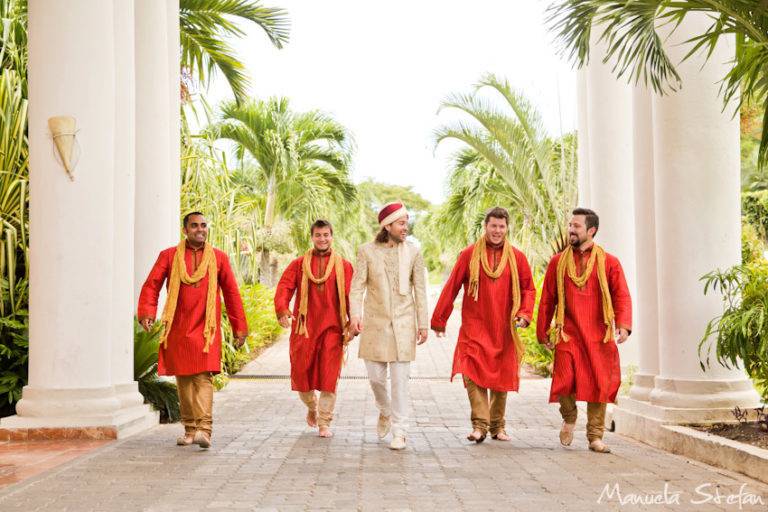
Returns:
(324, 406)
(595, 416)
(395, 405)
(196, 402)
(486, 414)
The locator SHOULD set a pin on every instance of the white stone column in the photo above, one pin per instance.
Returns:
(75, 65)
(646, 328)
(697, 166)
(123, 207)
(157, 161)
(609, 125)
(582, 127)
(174, 116)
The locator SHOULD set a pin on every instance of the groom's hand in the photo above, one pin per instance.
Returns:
(356, 324)
(423, 334)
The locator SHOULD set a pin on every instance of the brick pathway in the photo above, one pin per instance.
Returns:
(264, 458)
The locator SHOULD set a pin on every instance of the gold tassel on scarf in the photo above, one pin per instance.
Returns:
(480, 257)
(568, 264)
(179, 275)
(334, 262)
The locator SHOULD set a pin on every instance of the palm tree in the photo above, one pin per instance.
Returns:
(205, 26)
(630, 30)
(508, 160)
(300, 160)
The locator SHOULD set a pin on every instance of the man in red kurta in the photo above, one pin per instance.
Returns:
(190, 347)
(585, 310)
(499, 295)
(320, 315)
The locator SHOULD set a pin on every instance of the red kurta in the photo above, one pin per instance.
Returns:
(184, 355)
(485, 351)
(585, 366)
(316, 358)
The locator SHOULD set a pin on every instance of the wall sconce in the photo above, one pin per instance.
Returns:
(63, 132)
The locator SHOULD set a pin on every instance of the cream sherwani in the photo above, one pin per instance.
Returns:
(391, 320)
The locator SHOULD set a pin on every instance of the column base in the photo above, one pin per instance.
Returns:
(703, 395)
(642, 386)
(98, 413)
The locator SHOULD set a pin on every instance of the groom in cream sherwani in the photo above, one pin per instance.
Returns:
(390, 275)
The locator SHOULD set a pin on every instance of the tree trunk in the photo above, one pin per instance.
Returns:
(265, 274)
(264, 270)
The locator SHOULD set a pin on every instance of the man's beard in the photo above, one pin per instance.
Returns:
(575, 241)
(398, 238)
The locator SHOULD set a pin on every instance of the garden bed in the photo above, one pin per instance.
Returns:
(753, 433)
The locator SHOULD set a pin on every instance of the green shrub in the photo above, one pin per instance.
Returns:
(754, 206)
(538, 357)
(160, 393)
(752, 246)
(14, 348)
(258, 302)
(740, 334)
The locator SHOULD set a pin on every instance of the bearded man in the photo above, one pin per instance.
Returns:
(585, 310)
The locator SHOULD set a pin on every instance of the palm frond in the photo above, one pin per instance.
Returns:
(205, 26)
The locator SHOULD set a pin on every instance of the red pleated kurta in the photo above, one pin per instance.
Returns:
(584, 366)
(184, 355)
(485, 351)
(316, 358)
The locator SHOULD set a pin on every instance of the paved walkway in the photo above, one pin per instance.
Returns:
(265, 458)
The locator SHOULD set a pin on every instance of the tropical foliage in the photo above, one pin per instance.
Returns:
(300, 160)
(14, 176)
(631, 30)
(259, 310)
(740, 335)
(206, 26)
(159, 392)
(507, 159)
(538, 358)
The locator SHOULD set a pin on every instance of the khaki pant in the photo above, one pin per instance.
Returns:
(324, 406)
(595, 416)
(196, 402)
(486, 414)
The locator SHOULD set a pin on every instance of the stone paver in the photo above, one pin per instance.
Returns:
(265, 458)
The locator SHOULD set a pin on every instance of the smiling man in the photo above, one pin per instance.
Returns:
(320, 279)
(190, 343)
(585, 310)
(390, 274)
(499, 295)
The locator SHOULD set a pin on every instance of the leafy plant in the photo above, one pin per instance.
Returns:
(14, 198)
(205, 26)
(158, 392)
(754, 207)
(537, 356)
(507, 160)
(259, 310)
(740, 334)
(298, 162)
